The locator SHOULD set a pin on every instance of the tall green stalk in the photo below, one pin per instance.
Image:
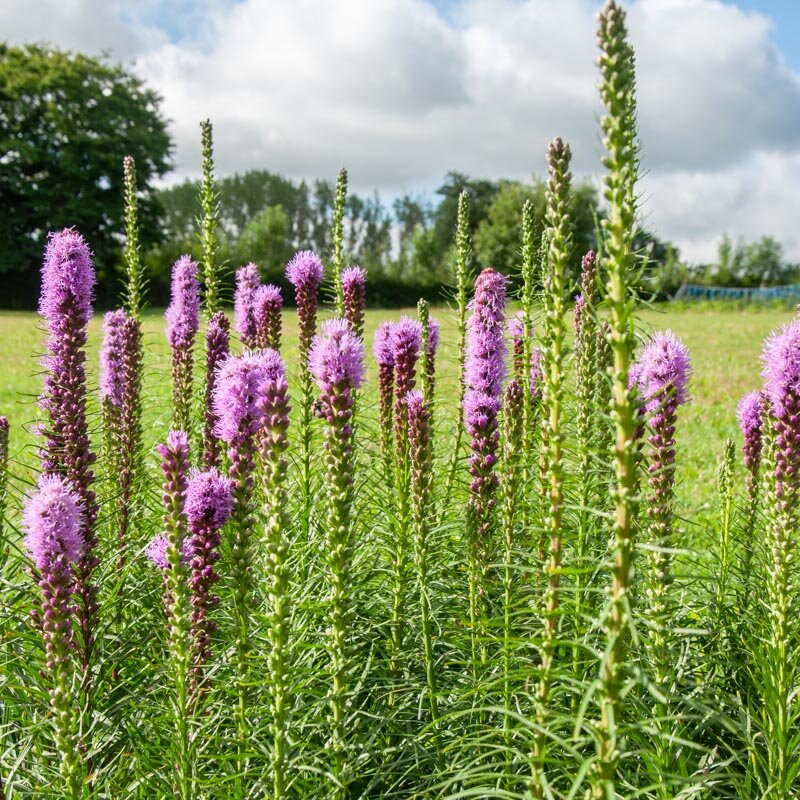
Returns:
(617, 91)
(557, 219)
(339, 201)
(208, 221)
(463, 252)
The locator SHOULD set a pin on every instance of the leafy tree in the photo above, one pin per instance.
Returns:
(265, 241)
(66, 123)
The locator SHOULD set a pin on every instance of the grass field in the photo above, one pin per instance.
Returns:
(725, 345)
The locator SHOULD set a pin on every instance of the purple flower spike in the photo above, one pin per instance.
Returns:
(382, 347)
(68, 278)
(267, 305)
(114, 354)
(484, 371)
(305, 270)
(209, 500)
(536, 376)
(663, 371)
(209, 504)
(52, 521)
(781, 358)
(244, 313)
(183, 312)
(156, 551)
(217, 350)
(239, 385)
(406, 344)
(433, 337)
(750, 413)
(354, 289)
(336, 358)
(484, 365)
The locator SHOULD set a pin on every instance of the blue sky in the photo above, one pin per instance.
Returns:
(401, 91)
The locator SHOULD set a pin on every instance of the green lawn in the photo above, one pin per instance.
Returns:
(725, 346)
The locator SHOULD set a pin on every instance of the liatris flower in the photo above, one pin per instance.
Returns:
(662, 375)
(120, 372)
(217, 350)
(429, 345)
(267, 305)
(4, 431)
(305, 273)
(781, 359)
(384, 355)
(156, 551)
(66, 305)
(183, 320)
(175, 466)
(484, 371)
(208, 223)
(406, 344)
(752, 413)
(209, 501)
(336, 361)
(617, 90)
(244, 308)
(419, 448)
(274, 403)
(239, 388)
(559, 247)
(53, 522)
(354, 292)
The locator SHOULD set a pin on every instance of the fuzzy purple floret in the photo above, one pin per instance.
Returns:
(382, 347)
(781, 359)
(52, 521)
(183, 312)
(336, 357)
(267, 301)
(406, 345)
(273, 366)
(305, 269)
(156, 551)
(244, 315)
(239, 383)
(663, 370)
(433, 337)
(176, 446)
(353, 278)
(68, 278)
(515, 326)
(484, 364)
(113, 355)
(209, 500)
(750, 413)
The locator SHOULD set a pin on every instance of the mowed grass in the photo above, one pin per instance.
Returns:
(725, 345)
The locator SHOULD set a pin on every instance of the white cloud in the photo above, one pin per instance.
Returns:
(400, 94)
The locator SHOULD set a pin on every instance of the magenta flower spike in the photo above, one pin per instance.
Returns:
(406, 345)
(183, 320)
(217, 350)
(52, 521)
(384, 356)
(354, 290)
(209, 502)
(65, 304)
(305, 273)
(750, 413)
(244, 310)
(267, 305)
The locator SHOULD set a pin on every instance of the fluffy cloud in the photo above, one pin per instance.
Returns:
(400, 94)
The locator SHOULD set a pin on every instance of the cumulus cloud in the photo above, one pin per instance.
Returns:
(401, 93)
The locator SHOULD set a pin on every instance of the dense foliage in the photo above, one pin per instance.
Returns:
(329, 580)
(66, 122)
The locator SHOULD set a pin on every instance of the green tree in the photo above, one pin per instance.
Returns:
(66, 123)
(265, 242)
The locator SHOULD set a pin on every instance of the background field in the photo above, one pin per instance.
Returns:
(725, 344)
